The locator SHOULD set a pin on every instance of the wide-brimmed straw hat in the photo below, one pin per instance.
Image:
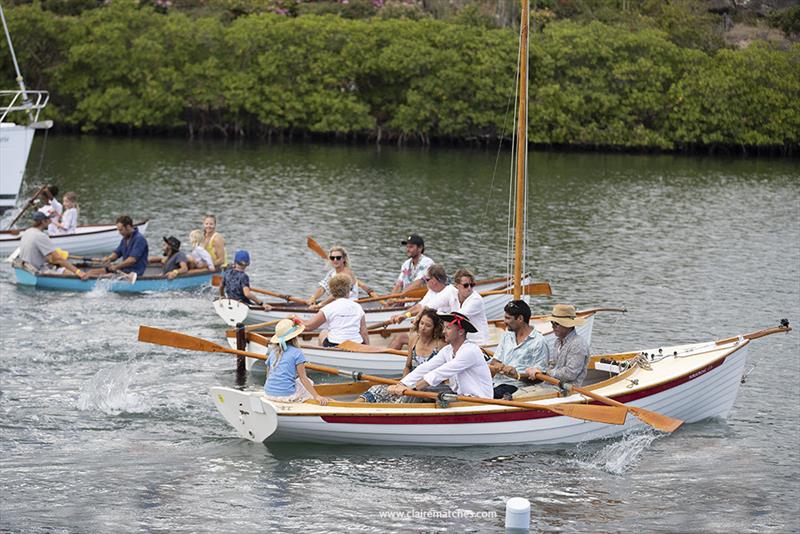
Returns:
(460, 319)
(285, 330)
(564, 314)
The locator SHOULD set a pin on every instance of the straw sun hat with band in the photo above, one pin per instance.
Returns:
(285, 330)
(564, 314)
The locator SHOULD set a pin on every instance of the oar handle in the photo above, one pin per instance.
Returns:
(256, 326)
(27, 205)
(547, 378)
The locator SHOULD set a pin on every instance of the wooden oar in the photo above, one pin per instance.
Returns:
(251, 327)
(600, 414)
(316, 247)
(352, 346)
(27, 205)
(662, 422)
(539, 289)
(414, 293)
(216, 281)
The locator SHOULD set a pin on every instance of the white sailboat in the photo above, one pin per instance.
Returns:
(16, 139)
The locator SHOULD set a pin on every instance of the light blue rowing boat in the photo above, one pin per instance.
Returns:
(152, 280)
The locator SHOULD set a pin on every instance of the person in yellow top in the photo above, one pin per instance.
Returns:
(214, 243)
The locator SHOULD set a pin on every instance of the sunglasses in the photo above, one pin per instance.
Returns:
(468, 285)
(334, 258)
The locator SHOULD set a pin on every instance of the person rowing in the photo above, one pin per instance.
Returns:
(460, 296)
(345, 318)
(340, 263)
(440, 297)
(132, 249)
(521, 346)
(460, 363)
(569, 362)
(236, 282)
(38, 250)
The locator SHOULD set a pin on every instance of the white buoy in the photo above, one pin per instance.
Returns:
(518, 515)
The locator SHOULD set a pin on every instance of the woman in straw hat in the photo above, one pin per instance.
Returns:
(287, 380)
(570, 359)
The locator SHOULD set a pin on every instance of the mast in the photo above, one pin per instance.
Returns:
(522, 150)
(20, 81)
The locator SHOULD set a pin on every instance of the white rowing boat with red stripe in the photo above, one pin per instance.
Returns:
(689, 382)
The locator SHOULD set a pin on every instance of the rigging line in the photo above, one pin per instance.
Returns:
(497, 158)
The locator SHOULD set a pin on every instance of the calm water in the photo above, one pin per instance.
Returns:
(102, 434)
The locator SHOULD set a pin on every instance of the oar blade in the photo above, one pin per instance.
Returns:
(538, 289)
(167, 338)
(611, 415)
(659, 421)
(316, 247)
(352, 346)
(231, 311)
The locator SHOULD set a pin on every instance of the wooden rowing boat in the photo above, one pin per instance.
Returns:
(87, 240)
(692, 382)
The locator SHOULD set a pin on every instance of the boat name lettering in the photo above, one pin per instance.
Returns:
(702, 371)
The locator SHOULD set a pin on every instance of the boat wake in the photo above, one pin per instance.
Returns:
(619, 455)
(101, 288)
(108, 392)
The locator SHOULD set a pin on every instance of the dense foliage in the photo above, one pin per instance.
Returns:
(131, 68)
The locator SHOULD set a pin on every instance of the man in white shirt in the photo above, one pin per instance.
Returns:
(441, 296)
(461, 363)
(471, 305)
(415, 267)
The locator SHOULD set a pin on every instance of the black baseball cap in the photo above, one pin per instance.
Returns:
(173, 242)
(414, 239)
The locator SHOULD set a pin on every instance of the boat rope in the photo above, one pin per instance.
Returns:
(20, 81)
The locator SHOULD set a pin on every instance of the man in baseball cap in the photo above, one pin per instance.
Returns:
(415, 267)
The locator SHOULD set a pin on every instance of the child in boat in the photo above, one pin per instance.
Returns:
(68, 222)
(287, 380)
(199, 258)
(236, 284)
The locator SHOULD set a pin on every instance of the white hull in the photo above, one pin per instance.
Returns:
(375, 363)
(15, 145)
(701, 383)
(493, 305)
(86, 241)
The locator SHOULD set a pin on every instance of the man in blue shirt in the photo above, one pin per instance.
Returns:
(132, 249)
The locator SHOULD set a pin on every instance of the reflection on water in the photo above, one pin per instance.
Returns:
(105, 433)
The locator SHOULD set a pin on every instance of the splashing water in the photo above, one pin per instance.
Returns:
(107, 391)
(620, 455)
